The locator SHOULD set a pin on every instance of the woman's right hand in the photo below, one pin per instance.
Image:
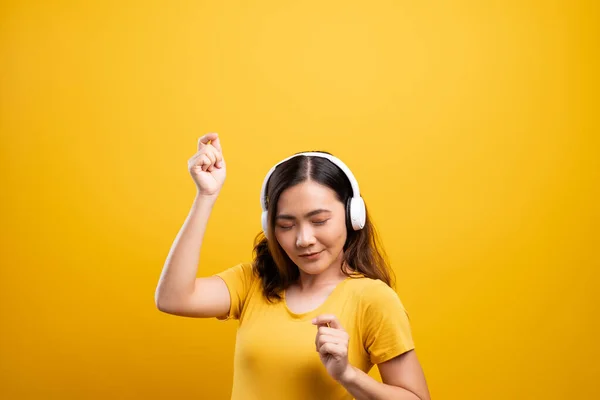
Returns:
(207, 166)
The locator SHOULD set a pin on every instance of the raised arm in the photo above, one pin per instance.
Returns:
(179, 292)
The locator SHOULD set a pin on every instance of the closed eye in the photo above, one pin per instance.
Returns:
(288, 227)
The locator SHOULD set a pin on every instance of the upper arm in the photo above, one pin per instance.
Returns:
(209, 299)
(385, 324)
(405, 371)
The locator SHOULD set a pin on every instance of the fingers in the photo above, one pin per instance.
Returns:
(216, 142)
(323, 330)
(325, 319)
(204, 162)
(207, 138)
(205, 159)
(322, 340)
(334, 349)
(217, 159)
(209, 155)
(330, 335)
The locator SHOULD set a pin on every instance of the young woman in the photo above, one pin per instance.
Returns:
(316, 308)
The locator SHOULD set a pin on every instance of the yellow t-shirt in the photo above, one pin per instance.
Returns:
(275, 354)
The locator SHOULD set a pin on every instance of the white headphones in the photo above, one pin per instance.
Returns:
(357, 210)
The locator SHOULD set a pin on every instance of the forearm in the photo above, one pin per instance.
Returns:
(362, 387)
(181, 266)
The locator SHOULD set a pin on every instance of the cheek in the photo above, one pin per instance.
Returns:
(335, 235)
(286, 242)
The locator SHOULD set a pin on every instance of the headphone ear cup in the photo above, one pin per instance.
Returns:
(264, 222)
(358, 213)
(349, 214)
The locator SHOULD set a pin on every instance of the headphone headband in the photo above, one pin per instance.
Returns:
(333, 159)
(357, 207)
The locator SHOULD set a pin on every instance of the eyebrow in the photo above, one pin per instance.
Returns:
(308, 215)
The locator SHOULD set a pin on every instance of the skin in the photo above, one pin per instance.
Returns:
(299, 231)
(311, 219)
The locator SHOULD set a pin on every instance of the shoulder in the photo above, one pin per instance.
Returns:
(247, 267)
(371, 288)
(244, 272)
(374, 294)
(250, 271)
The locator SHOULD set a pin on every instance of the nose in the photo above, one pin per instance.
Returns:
(305, 237)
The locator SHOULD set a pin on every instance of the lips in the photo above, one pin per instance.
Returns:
(310, 254)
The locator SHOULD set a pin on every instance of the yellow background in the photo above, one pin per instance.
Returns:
(469, 125)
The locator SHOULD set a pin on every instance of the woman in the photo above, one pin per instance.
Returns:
(315, 307)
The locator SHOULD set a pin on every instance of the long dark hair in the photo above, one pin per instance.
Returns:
(363, 252)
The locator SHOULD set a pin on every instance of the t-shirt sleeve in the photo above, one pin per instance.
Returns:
(239, 280)
(385, 324)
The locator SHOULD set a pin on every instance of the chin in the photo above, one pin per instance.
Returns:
(312, 271)
(312, 268)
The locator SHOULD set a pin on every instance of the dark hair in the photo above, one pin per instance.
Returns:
(363, 252)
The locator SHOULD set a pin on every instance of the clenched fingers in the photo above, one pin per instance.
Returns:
(207, 158)
(330, 335)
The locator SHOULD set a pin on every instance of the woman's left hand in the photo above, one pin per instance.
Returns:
(332, 344)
